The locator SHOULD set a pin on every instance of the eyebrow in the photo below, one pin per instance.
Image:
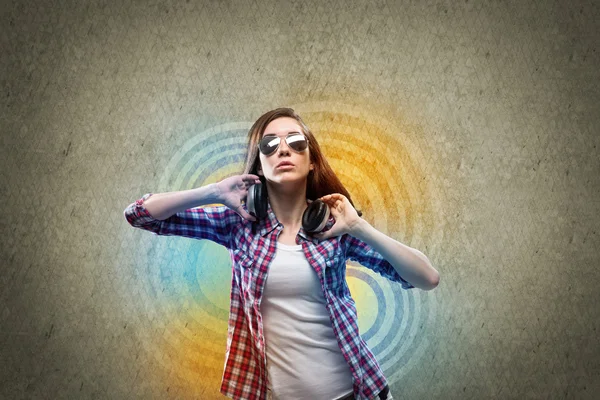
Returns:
(276, 134)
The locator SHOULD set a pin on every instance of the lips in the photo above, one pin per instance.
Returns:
(284, 163)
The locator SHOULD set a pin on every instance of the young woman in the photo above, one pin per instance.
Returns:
(293, 327)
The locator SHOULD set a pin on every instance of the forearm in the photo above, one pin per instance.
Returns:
(163, 205)
(410, 263)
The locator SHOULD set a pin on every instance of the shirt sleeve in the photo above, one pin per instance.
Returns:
(359, 251)
(214, 223)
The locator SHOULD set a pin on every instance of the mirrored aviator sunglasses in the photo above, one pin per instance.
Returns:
(269, 143)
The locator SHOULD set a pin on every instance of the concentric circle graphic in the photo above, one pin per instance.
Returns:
(187, 281)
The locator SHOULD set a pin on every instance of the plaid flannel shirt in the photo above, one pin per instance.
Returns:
(252, 246)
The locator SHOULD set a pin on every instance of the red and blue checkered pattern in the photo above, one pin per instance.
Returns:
(252, 246)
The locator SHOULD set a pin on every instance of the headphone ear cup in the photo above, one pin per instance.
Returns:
(257, 201)
(315, 216)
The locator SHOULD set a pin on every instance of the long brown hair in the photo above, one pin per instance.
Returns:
(321, 179)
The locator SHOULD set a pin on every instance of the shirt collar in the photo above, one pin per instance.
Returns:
(267, 225)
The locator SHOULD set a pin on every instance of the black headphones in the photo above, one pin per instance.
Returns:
(314, 219)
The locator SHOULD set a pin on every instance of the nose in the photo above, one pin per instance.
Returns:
(283, 145)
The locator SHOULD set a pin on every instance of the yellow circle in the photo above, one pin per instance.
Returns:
(367, 305)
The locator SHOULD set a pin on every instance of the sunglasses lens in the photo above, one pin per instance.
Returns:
(269, 144)
(297, 142)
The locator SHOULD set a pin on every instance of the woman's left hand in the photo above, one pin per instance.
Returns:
(346, 217)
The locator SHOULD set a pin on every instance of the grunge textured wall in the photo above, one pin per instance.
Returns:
(468, 130)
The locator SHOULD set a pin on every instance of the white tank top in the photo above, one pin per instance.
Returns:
(304, 360)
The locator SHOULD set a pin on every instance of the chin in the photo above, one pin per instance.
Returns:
(285, 180)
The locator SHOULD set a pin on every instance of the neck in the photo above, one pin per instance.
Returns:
(288, 204)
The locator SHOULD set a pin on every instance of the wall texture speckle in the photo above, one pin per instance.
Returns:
(469, 131)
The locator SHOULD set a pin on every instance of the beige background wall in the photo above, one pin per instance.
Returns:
(494, 103)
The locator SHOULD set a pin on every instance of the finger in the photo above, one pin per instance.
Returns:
(327, 199)
(332, 198)
(333, 204)
(249, 182)
(245, 214)
(251, 179)
(328, 234)
(322, 235)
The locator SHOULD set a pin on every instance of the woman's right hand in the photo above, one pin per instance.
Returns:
(235, 188)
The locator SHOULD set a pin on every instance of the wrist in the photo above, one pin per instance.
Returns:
(359, 229)
(207, 194)
(215, 191)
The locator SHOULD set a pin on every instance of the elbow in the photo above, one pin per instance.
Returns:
(128, 216)
(430, 277)
(434, 281)
(433, 278)
(132, 218)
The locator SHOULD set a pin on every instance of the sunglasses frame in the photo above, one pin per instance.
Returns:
(279, 144)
